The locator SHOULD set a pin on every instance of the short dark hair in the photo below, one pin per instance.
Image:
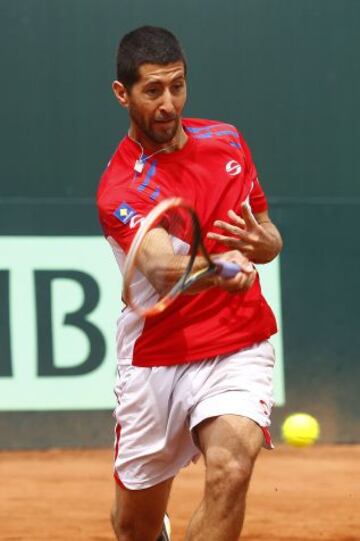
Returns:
(146, 45)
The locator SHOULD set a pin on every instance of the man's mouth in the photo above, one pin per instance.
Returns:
(165, 120)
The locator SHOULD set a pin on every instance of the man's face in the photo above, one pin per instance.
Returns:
(155, 102)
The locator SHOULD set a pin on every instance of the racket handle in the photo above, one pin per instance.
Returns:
(226, 269)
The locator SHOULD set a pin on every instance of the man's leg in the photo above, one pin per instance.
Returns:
(230, 445)
(137, 515)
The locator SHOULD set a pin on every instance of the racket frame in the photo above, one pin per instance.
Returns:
(186, 280)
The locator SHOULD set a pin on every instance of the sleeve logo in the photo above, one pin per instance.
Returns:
(127, 215)
(124, 213)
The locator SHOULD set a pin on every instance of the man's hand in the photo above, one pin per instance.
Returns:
(243, 279)
(254, 235)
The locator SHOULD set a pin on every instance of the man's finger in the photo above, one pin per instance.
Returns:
(228, 227)
(248, 215)
(229, 241)
(236, 218)
(238, 233)
(235, 244)
(240, 282)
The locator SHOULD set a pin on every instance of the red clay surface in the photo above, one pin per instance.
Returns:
(308, 494)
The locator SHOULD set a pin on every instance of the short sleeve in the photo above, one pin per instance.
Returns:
(257, 198)
(258, 201)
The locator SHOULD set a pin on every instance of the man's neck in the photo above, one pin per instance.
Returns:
(149, 146)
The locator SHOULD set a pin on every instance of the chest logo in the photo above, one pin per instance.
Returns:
(233, 168)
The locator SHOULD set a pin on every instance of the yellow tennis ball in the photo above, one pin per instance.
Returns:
(300, 430)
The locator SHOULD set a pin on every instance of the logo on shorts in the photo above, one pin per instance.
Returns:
(233, 168)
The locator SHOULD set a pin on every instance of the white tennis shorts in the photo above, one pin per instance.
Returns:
(158, 407)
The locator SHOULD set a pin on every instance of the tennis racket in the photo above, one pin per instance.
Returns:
(190, 262)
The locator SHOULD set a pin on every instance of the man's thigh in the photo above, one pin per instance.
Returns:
(229, 437)
(239, 385)
(153, 441)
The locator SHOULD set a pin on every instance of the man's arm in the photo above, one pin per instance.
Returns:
(254, 235)
(157, 261)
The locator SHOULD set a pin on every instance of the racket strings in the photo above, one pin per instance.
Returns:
(174, 237)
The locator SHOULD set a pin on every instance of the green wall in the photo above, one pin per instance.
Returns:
(287, 73)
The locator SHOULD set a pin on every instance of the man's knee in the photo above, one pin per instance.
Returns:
(131, 528)
(115, 522)
(227, 478)
(125, 529)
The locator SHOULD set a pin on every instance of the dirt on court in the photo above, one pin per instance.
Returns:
(308, 494)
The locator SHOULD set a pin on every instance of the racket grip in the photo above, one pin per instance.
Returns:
(226, 269)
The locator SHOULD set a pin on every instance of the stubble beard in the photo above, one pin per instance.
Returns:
(156, 137)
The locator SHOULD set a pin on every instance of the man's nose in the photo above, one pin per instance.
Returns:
(167, 104)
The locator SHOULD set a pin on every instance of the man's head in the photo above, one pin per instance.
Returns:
(151, 71)
(146, 45)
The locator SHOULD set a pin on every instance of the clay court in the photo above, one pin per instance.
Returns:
(308, 494)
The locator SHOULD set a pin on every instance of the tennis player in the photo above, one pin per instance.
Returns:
(197, 379)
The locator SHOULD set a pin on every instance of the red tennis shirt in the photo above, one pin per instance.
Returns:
(214, 171)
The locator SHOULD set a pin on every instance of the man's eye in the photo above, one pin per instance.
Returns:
(178, 87)
(152, 91)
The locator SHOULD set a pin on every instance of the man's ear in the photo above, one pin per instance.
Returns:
(120, 93)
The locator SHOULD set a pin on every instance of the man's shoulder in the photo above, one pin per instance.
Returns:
(213, 132)
(116, 177)
(196, 124)
(118, 164)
